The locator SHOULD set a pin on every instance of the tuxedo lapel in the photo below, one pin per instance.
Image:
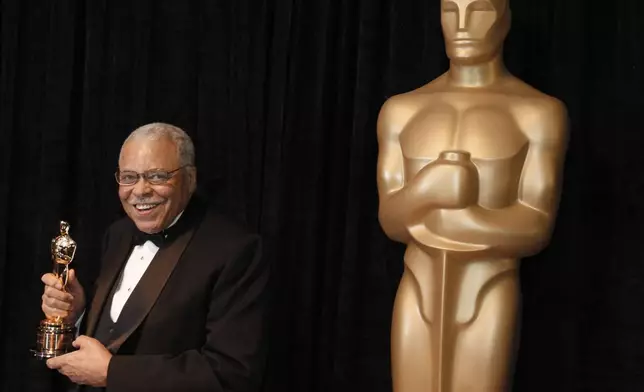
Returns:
(114, 258)
(148, 289)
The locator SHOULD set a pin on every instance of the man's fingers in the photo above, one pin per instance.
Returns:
(56, 303)
(61, 360)
(52, 281)
(57, 294)
(83, 341)
(55, 363)
(49, 311)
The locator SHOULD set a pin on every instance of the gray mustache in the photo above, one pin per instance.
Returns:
(144, 201)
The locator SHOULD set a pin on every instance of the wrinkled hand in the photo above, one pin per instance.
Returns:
(67, 304)
(86, 366)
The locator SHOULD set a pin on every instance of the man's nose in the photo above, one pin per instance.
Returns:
(142, 187)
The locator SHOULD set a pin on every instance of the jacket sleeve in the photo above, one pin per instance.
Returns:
(88, 281)
(234, 354)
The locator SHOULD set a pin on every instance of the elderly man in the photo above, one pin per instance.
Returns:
(180, 303)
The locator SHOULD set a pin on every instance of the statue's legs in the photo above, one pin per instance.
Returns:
(453, 324)
(483, 352)
(410, 339)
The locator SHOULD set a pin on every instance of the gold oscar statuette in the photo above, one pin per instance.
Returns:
(54, 336)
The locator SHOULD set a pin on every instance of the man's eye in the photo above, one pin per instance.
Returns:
(157, 176)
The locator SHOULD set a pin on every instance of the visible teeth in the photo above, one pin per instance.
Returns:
(142, 207)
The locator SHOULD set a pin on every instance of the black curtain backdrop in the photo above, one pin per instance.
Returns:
(281, 97)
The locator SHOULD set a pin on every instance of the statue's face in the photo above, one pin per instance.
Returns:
(474, 30)
(64, 250)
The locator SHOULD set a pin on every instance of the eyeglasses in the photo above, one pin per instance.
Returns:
(153, 177)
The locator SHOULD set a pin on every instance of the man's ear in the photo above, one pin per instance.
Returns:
(192, 173)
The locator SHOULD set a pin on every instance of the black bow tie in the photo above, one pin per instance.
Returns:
(157, 239)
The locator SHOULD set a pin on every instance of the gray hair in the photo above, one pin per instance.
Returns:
(156, 131)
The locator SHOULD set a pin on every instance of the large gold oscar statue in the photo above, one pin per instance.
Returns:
(469, 177)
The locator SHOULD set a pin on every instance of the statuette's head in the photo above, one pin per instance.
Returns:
(63, 247)
(474, 30)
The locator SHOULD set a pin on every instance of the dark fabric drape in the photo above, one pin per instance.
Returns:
(281, 98)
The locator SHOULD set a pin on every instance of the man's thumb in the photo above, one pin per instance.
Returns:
(72, 282)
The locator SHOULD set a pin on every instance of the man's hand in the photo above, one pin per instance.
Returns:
(86, 366)
(57, 303)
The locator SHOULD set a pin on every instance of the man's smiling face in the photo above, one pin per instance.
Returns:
(153, 207)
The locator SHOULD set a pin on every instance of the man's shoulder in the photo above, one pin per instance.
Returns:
(222, 239)
(223, 225)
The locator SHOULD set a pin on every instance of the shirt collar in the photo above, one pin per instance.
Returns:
(175, 220)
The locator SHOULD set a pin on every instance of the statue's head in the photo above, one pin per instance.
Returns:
(474, 30)
(63, 247)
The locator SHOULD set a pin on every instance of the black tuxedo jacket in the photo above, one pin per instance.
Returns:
(197, 320)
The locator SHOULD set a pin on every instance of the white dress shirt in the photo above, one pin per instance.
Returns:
(135, 267)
